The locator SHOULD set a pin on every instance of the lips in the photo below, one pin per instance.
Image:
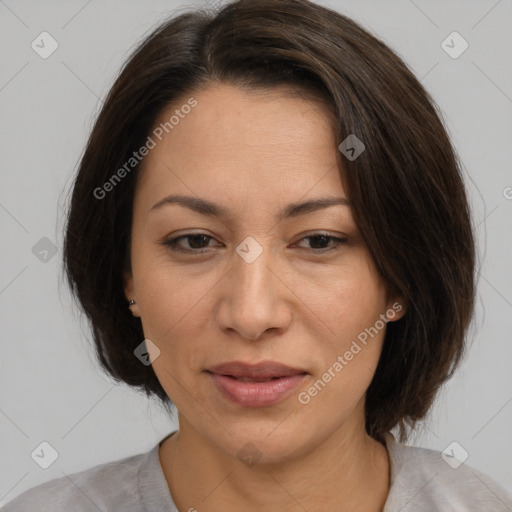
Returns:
(257, 385)
(260, 372)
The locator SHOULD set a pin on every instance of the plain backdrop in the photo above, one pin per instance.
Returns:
(51, 387)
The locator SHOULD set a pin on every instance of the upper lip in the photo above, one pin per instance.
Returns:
(263, 370)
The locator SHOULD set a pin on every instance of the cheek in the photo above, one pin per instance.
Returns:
(353, 306)
(159, 305)
(175, 308)
(173, 317)
(350, 300)
(169, 296)
(350, 359)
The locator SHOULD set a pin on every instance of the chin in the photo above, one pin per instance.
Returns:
(265, 444)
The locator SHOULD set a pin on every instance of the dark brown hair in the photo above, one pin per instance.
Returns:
(406, 189)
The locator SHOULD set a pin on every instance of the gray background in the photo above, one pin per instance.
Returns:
(51, 388)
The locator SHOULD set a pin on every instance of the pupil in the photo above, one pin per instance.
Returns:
(197, 238)
(322, 237)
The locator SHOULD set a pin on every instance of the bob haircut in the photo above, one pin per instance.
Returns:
(406, 188)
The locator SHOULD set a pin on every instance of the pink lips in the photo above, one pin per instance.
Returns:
(258, 385)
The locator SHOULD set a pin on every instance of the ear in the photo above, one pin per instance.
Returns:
(129, 291)
(396, 310)
(128, 285)
(397, 306)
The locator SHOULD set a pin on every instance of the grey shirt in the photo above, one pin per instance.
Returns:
(421, 481)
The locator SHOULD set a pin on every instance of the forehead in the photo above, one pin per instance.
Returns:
(253, 145)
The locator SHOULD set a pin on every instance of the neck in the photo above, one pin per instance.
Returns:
(348, 471)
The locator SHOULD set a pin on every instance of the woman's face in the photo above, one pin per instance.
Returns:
(254, 287)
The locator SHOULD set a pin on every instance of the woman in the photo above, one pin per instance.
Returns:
(273, 195)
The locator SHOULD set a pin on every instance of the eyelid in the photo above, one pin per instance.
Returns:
(338, 241)
(172, 243)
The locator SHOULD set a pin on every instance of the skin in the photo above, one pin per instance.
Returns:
(255, 152)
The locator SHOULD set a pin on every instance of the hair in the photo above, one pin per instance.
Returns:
(406, 188)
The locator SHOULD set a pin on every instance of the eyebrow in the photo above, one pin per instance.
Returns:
(205, 207)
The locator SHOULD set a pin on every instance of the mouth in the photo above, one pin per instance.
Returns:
(261, 372)
(252, 379)
(255, 385)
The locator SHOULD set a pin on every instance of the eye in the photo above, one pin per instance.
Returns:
(198, 242)
(322, 239)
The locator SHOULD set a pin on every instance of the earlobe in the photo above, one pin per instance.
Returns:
(128, 285)
(396, 303)
(396, 310)
(129, 293)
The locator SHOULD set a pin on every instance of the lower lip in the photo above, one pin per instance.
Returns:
(256, 394)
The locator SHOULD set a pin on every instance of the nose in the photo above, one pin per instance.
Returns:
(254, 297)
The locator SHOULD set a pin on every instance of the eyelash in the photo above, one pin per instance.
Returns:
(172, 243)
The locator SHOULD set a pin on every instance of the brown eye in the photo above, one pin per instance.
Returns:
(323, 240)
(196, 242)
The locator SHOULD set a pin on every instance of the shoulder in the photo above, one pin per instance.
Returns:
(426, 480)
(107, 487)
